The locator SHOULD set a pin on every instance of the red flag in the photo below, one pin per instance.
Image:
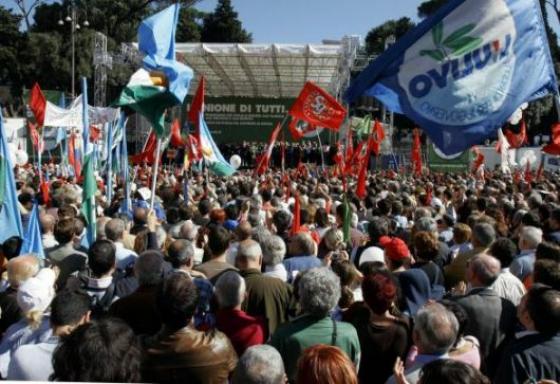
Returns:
(317, 107)
(176, 139)
(194, 148)
(516, 140)
(38, 104)
(148, 154)
(94, 133)
(362, 176)
(516, 176)
(197, 103)
(540, 171)
(72, 160)
(377, 137)
(296, 223)
(528, 173)
(263, 163)
(349, 153)
(554, 147)
(416, 155)
(479, 161)
(34, 135)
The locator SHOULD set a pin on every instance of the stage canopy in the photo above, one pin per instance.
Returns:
(268, 70)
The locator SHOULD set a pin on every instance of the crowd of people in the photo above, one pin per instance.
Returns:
(288, 278)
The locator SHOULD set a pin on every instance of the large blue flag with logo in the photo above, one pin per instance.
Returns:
(461, 73)
(10, 218)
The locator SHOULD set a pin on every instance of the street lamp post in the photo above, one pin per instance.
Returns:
(72, 18)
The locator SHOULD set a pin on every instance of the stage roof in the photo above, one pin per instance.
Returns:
(268, 70)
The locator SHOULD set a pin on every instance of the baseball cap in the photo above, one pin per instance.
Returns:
(395, 248)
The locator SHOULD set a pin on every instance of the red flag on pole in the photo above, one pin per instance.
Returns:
(299, 128)
(176, 139)
(516, 140)
(38, 104)
(148, 154)
(296, 223)
(528, 173)
(197, 103)
(362, 176)
(416, 155)
(317, 107)
(540, 171)
(265, 159)
(377, 137)
(554, 147)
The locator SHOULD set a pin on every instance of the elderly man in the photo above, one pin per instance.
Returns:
(19, 269)
(260, 364)
(274, 250)
(319, 292)
(529, 239)
(435, 332)
(302, 250)
(242, 329)
(491, 318)
(267, 296)
(47, 229)
(483, 235)
(114, 231)
(507, 285)
(535, 354)
(138, 309)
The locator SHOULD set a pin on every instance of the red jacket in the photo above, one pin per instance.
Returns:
(243, 330)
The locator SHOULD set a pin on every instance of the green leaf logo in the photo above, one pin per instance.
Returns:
(456, 44)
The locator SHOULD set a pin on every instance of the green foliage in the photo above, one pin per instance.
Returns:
(427, 8)
(189, 28)
(375, 39)
(223, 26)
(10, 38)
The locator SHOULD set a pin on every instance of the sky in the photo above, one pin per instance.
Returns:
(311, 21)
(308, 21)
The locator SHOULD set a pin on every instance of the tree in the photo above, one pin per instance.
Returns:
(9, 40)
(26, 9)
(375, 39)
(189, 27)
(223, 26)
(427, 8)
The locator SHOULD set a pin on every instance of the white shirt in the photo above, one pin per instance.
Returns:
(509, 287)
(125, 257)
(278, 271)
(48, 241)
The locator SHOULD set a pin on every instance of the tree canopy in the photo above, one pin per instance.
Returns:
(375, 39)
(223, 26)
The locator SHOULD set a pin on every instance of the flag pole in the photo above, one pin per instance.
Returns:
(154, 172)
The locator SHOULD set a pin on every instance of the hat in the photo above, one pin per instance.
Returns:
(145, 193)
(395, 248)
(36, 293)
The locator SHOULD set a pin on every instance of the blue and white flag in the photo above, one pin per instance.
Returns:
(33, 243)
(10, 217)
(462, 73)
(213, 158)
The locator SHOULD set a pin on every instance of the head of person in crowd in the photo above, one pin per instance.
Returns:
(462, 318)
(282, 221)
(102, 258)
(219, 239)
(274, 251)
(318, 291)
(325, 364)
(140, 216)
(547, 250)
(322, 218)
(64, 231)
(380, 290)
(435, 329)
(47, 223)
(176, 301)
(22, 268)
(504, 250)
(110, 343)
(11, 248)
(34, 296)
(426, 224)
(483, 270)
(101, 224)
(547, 272)
(539, 310)
(529, 238)
(377, 228)
(66, 212)
(218, 216)
(461, 233)
(301, 244)
(350, 279)
(426, 246)
(230, 290)
(114, 230)
(397, 254)
(148, 268)
(554, 220)
(69, 309)
(260, 364)
(249, 255)
(180, 254)
(449, 371)
(483, 235)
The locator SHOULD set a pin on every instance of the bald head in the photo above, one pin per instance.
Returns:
(47, 223)
(483, 270)
(140, 216)
(22, 268)
(114, 229)
(249, 255)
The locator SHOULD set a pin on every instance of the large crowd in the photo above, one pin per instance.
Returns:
(439, 278)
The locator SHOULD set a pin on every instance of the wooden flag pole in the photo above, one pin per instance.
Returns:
(154, 173)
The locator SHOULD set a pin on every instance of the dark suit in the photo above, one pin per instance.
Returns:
(491, 320)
